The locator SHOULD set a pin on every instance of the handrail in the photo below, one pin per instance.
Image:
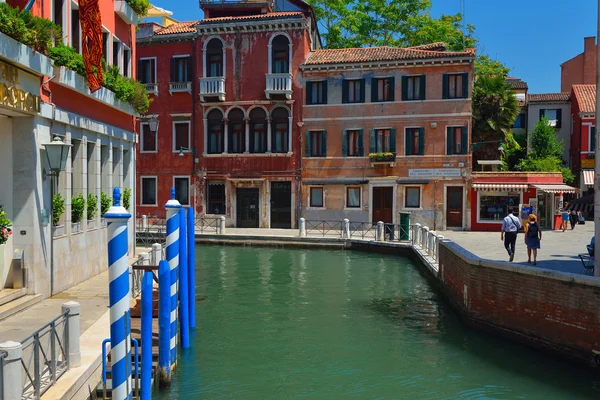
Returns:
(136, 370)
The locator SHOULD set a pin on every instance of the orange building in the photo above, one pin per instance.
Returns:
(387, 130)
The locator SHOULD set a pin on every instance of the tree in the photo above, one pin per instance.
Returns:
(333, 17)
(448, 29)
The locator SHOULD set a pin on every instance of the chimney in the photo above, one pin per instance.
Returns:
(589, 60)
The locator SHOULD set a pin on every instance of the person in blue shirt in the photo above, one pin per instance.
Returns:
(591, 246)
(510, 228)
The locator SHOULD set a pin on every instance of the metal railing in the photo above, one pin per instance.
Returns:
(324, 228)
(207, 224)
(135, 372)
(3, 355)
(363, 231)
(45, 357)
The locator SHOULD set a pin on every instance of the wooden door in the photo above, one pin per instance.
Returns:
(281, 205)
(383, 204)
(247, 208)
(454, 207)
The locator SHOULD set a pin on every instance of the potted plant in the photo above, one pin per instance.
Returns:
(105, 203)
(58, 209)
(92, 209)
(5, 233)
(382, 157)
(77, 211)
(126, 198)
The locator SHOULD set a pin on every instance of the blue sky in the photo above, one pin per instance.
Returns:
(531, 37)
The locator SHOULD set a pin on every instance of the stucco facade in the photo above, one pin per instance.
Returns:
(558, 112)
(580, 69)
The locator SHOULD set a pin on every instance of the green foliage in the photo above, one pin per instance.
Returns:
(77, 208)
(448, 29)
(515, 149)
(140, 7)
(485, 66)
(66, 56)
(38, 33)
(92, 206)
(105, 203)
(58, 208)
(5, 224)
(127, 89)
(126, 198)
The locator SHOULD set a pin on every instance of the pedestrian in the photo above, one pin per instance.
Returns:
(533, 236)
(565, 217)
(510, 228)
(573, 218)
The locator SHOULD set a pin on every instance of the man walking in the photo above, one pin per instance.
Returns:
(510, 228)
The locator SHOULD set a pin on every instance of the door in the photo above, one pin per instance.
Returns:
(454, 207)
(383, 203)
(281, 205)
(247, 208)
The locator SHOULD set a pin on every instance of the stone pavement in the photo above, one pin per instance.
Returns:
(558, 250)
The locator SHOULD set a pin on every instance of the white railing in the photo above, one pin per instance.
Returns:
(175, 87)
(427, 241)
(279, 84)
(152, 88)
(212, 87)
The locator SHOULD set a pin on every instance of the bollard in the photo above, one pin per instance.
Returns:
(437, 247)
(416, 234)
(192, 266)
(425, 238)
(346, 228)
(156, 254)
(12, 387)
(302, 227)
(147, 282)
(431, 243)
(144, 222)
(74, 319)
(173, 207)
(222, 225)
(119, 298)
(380, 232)
(184, 311)
(164, 324)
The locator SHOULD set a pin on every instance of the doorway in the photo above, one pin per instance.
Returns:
(247, 208)
(383, 204)
(454, 207)
(281, 205)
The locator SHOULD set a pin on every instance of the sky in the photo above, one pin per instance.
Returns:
(531, 37)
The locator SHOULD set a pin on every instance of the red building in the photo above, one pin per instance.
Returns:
(583, 139)
(228, 100)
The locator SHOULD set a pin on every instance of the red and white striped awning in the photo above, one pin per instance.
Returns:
(500, 187)
(556, 188)
(588, 177)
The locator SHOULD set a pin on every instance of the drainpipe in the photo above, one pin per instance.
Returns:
(193, 118)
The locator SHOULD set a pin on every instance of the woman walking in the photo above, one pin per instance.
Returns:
(533, 235)
(565, 217)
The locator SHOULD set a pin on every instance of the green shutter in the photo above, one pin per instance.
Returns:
(393, 140)
(449, 141)
(392, 88)
(324, 92)
(373, 90)
(323, 144)
(307, 144)
(308, 92)
(344, 91)
(372, 143)
(465, 84)
(408, 141)
(421, 141)
(592, 139)
(363, 87)
(558, 118)
(361, 146)
(445, 86)
(404, 88)
(423, 87)
(344, 143)
(465, 140)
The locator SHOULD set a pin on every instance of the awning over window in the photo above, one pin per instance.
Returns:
(500, 187)
(556, 188)
(588, 177)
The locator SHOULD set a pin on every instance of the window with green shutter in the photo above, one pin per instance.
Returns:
(351, 143)
(316, 92)
(592, 139)
(457, 140)
(382, 89)
(316, 144)
(413, 88)
(455, 86)
(353, 91)
(415, 141)
(383, 141)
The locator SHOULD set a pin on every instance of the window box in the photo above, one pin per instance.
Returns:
(126, 13)
(152, 88)
(103, 222)
(383, 158)
(180, 87)
(91, 223)
(58, 230)
(75, 227)
(212, 87)
(279, 84)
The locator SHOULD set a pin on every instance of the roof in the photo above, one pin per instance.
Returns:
(549, 97)
(586, 97)
(180, 27)
(257, 17)
(516, 83)
(383, 53)
(437, 46)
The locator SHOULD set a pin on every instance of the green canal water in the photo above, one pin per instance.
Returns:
(326, 324)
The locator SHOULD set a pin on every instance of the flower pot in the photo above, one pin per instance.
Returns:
(91, 223)
(75, 227)
(58, 230)
(103, 222)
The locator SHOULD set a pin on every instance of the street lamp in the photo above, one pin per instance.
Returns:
(57, 152)
(152, 122)
(478, 144)
(186, 149)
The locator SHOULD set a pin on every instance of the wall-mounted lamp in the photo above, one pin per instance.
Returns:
(183, 150)
(479, 144)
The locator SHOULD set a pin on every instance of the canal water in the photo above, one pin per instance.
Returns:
(334, 324)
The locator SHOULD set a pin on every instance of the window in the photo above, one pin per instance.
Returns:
(455, 86)
(352, 145)
(105, 48)
(215, 198)
(236, 131)
(316, 92)
(353, 91)
(148, 139)
(280, 129)
(181, 135)
(382, 89)
(258, 130)
(353, 197)
(412, 197)
(457, 140)
(415, 141)
(592, 139)
(181, 69)
(58, 12)
(75, 29)
(215, 128)
(316, 144)
(413, 87)
(520, 121)
(148, 191)
(147, 70)
(280, 58)
(316, 197)
(554, 117)
(126, 61)
(383, 141)
(493, 206)
(182, 190)
(116, 53)
(214, 58)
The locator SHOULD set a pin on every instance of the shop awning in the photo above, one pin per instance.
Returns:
(556, 188)
(504, 187)
(588, 177)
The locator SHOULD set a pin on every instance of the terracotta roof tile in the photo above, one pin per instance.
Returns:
(549, 97)
(370, 54)
(516, 84)
(180, 27)
(586, 97)
(258, 17)
(437, 46)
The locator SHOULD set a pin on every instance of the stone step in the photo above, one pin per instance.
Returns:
(18, 305)
(8, 295)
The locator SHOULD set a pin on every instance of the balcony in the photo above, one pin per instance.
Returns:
(180, 87)
(279, 84)
(152, 88)
(124, 11)
(212, 87)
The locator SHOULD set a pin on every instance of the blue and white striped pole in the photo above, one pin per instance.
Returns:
(164, 325)
(147, 282)
(117, 218)
(191, 234)
(184, 313)
(173, 207)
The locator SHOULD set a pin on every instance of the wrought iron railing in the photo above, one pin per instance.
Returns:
(207, 224)
(324, 228)
(134, 373)
(362, 230)
(45, 357)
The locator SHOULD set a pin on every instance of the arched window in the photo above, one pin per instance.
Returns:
(215, 132)
(280, 55)
(214, 58)
(236, 131)
(258, 130)
(280, 127)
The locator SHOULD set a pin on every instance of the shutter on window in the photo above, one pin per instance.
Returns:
(404, 88)
(324, 143)
(324, 94)
(421, 141)
(344, 91)
(361, 149)
(542, 111)
(423, 87)
(308, 92)
(141, 76)
(445, 86)
(345, 144)
(558, 118)
(189, 69)
(173, 70)
(465, 84)
(307, 144)
(449, 141)
(408, 142)
(372, 143)
(393, 140)
(592, 139)
(363, 88)
(373, 90)
(465, 140)
(392, 88)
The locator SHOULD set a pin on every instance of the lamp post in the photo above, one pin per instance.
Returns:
(183, 150)
(479, 144)
(152, 122)
(57, 152)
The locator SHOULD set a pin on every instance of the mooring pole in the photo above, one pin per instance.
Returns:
(117, 218)
(147, 335)
(173, 207)
(191, 235)
(184, 313)
(164, 324)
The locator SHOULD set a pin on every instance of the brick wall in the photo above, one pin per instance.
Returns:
(556, 312)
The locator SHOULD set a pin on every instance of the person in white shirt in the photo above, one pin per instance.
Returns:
(510, 228)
